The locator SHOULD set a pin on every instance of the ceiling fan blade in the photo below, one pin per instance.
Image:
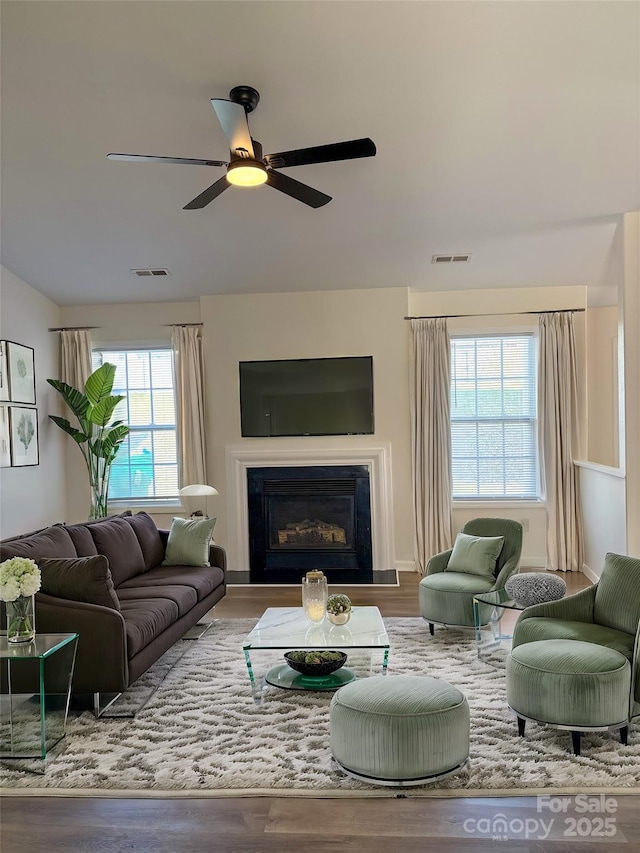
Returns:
(149, 158)
(301, 192)
(208, 195)
(322, 154)
(233, 120)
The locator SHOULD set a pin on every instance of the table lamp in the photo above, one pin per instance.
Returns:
(195, 499)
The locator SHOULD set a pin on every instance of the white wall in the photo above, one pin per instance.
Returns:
(138, 323)
(33, 497)
(602, 385)
(602, 492)
(312, 325)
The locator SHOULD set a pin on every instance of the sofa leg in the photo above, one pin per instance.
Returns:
(575, 739)
(431, 629)
(521, 724)
(624, 735)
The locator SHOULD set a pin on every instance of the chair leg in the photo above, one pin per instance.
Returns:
(575, 739)
(624, 735)
(521, 724)
(431, 628)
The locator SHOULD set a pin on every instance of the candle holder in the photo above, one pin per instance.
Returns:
(314, 596)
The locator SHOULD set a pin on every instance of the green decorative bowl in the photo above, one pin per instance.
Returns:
(318, 669)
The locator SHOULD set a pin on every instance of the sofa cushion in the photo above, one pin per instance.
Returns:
(82, 539)
(79, 579)
(475, 555)
(458, 582)
(116, 540)
(617, 601)
(149, 539)
(203, 580)
(188, 543)
(145, 619)
(50, 542)
(184, 596)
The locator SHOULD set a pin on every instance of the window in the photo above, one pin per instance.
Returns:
(146, 466)
(493, 417)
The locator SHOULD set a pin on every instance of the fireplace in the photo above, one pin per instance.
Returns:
(316, 517)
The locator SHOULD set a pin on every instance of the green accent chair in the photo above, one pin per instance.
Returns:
(575, 663)
(446, 597)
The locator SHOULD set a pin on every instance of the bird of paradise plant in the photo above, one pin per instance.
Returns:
(98, 439)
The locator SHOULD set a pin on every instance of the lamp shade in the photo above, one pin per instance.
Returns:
(195, 498)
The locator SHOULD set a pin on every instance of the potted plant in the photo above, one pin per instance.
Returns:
(338, 608)
(98, 439)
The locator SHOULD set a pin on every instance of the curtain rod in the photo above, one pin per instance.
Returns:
(180, 325)
(497, 314)
(73, 328)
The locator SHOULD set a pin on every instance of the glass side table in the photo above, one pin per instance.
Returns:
(36, 687)
(493, 644)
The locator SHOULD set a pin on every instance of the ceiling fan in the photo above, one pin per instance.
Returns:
(247, 167)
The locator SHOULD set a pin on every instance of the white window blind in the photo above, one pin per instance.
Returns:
(493, 417)
(146, 466)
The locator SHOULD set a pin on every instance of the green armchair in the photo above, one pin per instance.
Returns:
(585, 646)
(446, 597)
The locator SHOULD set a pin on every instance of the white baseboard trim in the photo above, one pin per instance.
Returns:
(406, 566)
(593, 577)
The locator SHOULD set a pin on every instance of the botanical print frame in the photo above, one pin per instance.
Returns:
(23, 425)
(22, 375)
(5, 441)
(4, 372)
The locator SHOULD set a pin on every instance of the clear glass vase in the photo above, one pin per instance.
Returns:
(314, 596)
(21, 619)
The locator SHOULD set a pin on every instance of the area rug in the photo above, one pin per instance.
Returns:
(202, 734)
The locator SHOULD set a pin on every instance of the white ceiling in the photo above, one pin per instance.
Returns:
(509, 130)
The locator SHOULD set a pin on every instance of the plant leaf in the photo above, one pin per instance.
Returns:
(99, 384)
(76, 435)
(75, 399)
(102, 412)
(107, 447)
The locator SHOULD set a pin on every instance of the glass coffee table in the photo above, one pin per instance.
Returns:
(287, 628)
(489, 608)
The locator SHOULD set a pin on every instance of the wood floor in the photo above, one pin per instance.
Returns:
(292, 825)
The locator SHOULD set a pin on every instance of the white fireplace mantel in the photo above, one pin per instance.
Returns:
(376, 458)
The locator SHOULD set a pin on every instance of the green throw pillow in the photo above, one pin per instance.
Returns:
(188, 543)
(475, 555)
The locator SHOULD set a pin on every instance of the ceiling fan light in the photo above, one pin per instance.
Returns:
(246, 173)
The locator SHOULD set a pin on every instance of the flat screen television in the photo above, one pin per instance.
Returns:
(307, 396)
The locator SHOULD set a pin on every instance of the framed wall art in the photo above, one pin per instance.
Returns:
(4, 372)
(23, 428)
(5, 441)
(22, 375)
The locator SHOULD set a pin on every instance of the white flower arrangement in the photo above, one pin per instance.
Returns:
(19, 576)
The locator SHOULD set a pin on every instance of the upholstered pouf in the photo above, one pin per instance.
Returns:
(399, 729)
(535, 588)
(570, 684)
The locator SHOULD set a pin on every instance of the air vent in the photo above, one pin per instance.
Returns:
(450, 259)
(151, 272)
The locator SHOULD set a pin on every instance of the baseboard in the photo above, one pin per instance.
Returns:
(406, 565)
(589, 573)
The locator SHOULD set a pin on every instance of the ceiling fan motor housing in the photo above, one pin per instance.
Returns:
(245, 95)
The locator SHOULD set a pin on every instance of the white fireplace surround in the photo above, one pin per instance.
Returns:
(376, 459)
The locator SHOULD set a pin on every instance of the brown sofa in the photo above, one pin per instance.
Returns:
(145, 607)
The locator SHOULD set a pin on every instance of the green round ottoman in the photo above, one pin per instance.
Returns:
(571, 685)
(399, 729)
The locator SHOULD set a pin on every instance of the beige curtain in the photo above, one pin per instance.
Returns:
(189, 374)
(559, 441)
(430, 438)
(76, 357)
